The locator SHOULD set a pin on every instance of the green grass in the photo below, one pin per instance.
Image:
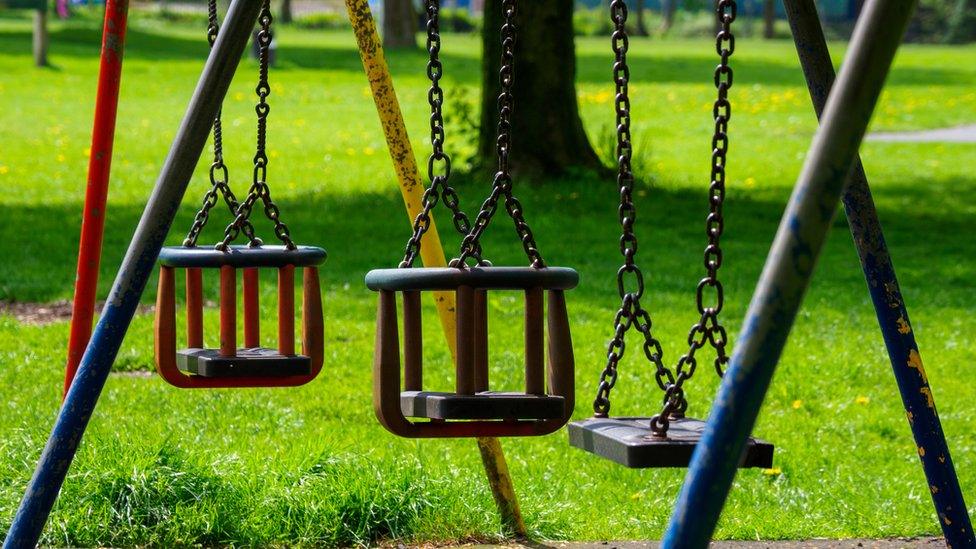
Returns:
(310, 466)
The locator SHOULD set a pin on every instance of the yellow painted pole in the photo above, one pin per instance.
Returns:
(431, 250)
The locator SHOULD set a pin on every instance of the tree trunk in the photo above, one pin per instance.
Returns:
(962, 25)
(717, 23)
(547, 133)
(41, 38)
(399, 24)
(668, 7)
(769, 19)
(641, 29)
(285, 16)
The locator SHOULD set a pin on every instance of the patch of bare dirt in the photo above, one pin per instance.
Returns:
(40, 314)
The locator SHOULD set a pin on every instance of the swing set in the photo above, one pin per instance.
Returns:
(711, 450)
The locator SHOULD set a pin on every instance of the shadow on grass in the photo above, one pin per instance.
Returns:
(574, 222)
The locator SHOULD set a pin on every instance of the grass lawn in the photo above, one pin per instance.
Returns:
(311, 466)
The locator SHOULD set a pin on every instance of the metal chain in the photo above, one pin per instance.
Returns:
(439, 163)
(502, 184)
(259, 188)
(631, 313)
(708, 329)
(219, 176)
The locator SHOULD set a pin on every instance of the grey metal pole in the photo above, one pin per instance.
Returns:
(787, 273)
(906, 362)
(137, 266)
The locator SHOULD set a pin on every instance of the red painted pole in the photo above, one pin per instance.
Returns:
(286, 310)
(228, 311)
(96, 194)
(252, 313)
(194, 308)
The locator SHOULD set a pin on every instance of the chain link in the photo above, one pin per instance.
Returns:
(439, 163)
(219, 175)
(259, 188)
(502, 184)
(630, 279)
(708, 329)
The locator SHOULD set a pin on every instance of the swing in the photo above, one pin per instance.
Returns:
(253, 365)
(667, 439)
(472, 409)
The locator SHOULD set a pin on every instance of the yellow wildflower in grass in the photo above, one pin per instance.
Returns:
(773, 472)
(369, 151)
(4, 170)
(61, 158)
(862, 400)
(750, 182)
(87, 152)
(239, 96)
(797, 404)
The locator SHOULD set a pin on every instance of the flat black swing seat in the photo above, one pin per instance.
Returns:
(483, 405)
(254, 362)
(630, 442)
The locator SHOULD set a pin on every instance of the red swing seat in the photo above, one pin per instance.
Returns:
(198, 367)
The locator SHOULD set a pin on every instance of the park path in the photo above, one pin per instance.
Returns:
(960, 134)
(894, 543)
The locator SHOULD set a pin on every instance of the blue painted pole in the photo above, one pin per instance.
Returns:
(137, 266)
(879, 271)
(787, 272)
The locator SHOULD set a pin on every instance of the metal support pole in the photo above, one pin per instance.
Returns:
(137, 266)
(906, 363)
(787, 272)
(431, 252)
(96, 194)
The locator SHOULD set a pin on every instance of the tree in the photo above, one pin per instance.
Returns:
(962, 23)
(548, 135)
(41, 36)
(769, 19)
(668, 7)
(399, 24)
(641, 29)
(285, 16)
